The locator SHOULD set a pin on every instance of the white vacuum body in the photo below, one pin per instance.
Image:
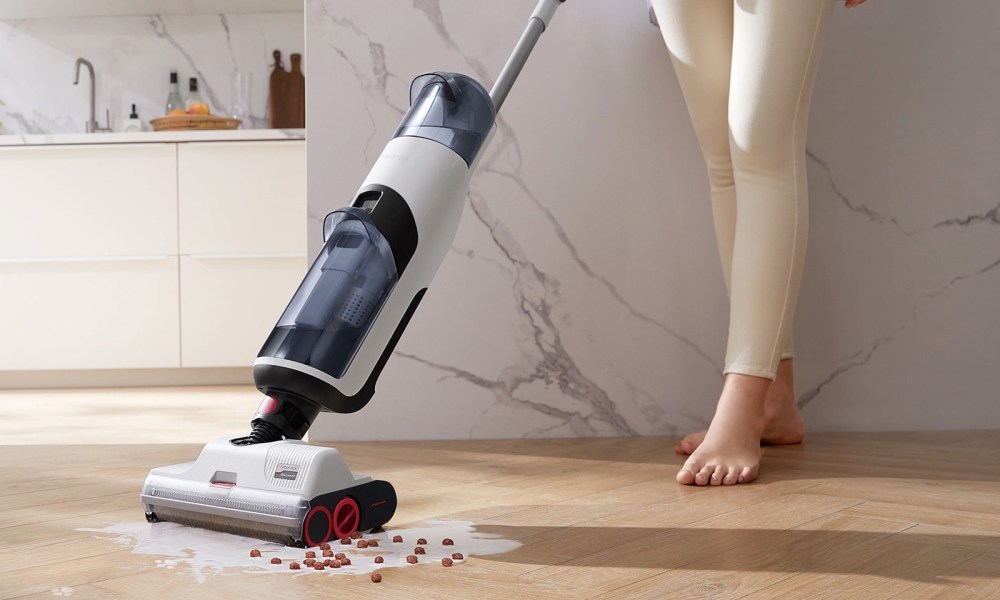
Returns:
(381, 252)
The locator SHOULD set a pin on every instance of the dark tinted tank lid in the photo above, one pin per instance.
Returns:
(452, 109)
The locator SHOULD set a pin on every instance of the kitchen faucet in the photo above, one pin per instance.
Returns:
(92, 125)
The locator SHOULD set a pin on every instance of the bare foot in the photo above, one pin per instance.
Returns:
(730, 451)
(782, 422)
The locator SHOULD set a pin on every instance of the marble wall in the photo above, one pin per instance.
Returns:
(132, 57)
(583, 295)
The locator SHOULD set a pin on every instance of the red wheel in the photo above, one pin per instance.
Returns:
(346, 517)
(317, 526)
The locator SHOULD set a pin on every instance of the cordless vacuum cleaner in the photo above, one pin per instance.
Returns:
(334, 338)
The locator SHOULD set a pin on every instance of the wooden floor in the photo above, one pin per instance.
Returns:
(871, 516)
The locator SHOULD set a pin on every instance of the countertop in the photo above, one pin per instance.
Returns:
(147, 137)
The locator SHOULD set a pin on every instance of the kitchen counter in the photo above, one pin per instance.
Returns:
(146, 137)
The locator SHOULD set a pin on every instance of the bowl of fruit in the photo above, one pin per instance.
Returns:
(197, 116)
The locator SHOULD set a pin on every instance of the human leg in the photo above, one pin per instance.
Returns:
(775, 52)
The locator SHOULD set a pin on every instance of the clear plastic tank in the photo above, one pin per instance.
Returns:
(336, 304)
(451, 109)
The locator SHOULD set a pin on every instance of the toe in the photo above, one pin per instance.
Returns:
(685, 476)
(732, 476)
(717, 475)
(748, 474)
(703, 475)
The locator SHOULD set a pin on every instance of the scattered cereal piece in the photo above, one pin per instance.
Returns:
(411, 559)
(328, 553)
(376, 577)
(446, 561)
(345, 561)
(379, 560)
(255, 553)
(447, 542)
(356, 535)
(275, 561)
(335, 564)
(421, 542)
(319, 566)
(324, 546)
(419, 550)
(397, 539)
(293, 566)
(340, 555)
(345, 541)
(373, 543)
(457, 556)
(309, 562)
(362, 544)
(310, 554)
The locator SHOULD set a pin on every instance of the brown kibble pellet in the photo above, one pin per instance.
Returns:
(397, 539)
(324, 546)
(379, 560)
(447, 542)
(419, 550)
(376, 577)
(446, 561)
(275, 561)
(293, 566)
(411, 559)
(457, 556)
(310, 554)
(328, 553)
(356, 535)
(340, 555)
(345, 541)
(345, 561)
(335, 564)
(362, 544)
(255, 553)
(319, 566)
(421, 542)
(373, 543)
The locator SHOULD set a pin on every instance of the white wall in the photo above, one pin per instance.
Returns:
(583, 294)
(132, 57)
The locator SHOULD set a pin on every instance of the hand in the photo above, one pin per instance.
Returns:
(853, 3)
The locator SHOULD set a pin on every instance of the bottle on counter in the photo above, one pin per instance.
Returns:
(174, 102)
(133, 123)
(194, 103)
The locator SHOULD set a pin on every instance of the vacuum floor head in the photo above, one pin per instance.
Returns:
(285, 491)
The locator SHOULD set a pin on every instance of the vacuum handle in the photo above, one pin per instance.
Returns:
(536, 25)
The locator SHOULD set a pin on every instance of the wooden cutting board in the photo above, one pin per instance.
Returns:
(286, 106)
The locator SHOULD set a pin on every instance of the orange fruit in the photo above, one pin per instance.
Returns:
(175, 112)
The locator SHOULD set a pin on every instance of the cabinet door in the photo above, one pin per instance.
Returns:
(89, 314)
(229, 305)
(88, 201)
(242, 197)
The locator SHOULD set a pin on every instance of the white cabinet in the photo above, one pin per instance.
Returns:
(151, 255)
(243, 245)
(89, 314)
(88, 266)
(74, 201)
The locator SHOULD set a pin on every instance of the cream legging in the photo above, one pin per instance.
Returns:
(746, 68)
